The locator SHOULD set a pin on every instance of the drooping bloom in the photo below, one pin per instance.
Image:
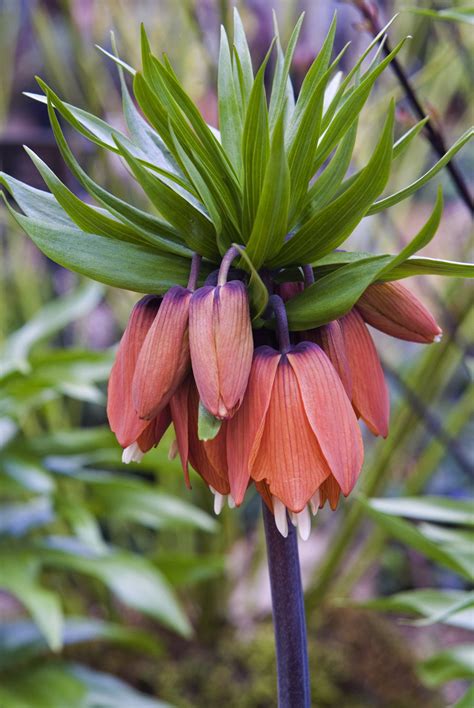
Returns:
(208, 458)
(134, 434)
(164, 359)
(393, 309)
(295, 428)
(220, 335)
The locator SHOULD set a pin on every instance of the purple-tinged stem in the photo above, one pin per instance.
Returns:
(283, 334)
(226, 262)
(194, 272)
(288, 615)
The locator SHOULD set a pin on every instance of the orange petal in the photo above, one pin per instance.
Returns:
(155, 430)
(287, 455)
(329, 491)
(216, 451)
(331, 340)
(217, 479)
(123, 420)
(369, 390)
(221, 346)
(393, 309)
(179, 406)
(263, 490)
(329, 413)
(247, 424)
(164, 358)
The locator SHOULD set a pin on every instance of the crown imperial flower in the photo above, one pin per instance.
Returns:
(269, 188)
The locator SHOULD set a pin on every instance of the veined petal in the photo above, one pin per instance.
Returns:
(393, 309)
(329, 491)
(288, 455)
(217, 479)
(155, 430)
(246, 427)
(216, 451)
(331, 340)
(369, 390)
(234, 345)
(164, 358)
(329, 412)
(123, 419)
(263, 490)
(179, 406)
(221, 346)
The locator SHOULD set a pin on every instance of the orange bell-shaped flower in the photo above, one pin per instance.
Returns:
(220, 337)
(164, 360)
(393, 309)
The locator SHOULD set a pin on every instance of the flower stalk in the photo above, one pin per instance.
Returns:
(288, 615)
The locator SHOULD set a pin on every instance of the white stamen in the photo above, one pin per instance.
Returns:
(173, 451)
(132, 453)
(438, 337)
(304, 524)
(314, 503)
(219, 501)
(293, 518)
(281, 520)
(230, 501)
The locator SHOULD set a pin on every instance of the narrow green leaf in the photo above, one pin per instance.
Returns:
(443, 510)
(258, 293)
(402, 194)
(334, 294)
(431, 266)
(328, 182)
(405, 141)
(454, 14)
(422, 238)
(241, 49)
(87, 217)
(271, 221)
(153, 230)
(410, 535)
(314, 74)
(122, 64)
(208, 425)
(230, 116)
(282, 91)
(350, 110)
(191, 222)
(35, 202)
(255, 149)
(330, 226)
(121, 264)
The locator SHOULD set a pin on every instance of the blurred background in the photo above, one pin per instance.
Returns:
(117, 585)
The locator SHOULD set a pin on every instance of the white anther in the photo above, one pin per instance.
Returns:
(314, 503)
(293, 518)
(219, 501)
(132, 453)
(281, 520)
(173, 451)
(230, 501)
(438, 337)
(303, 524)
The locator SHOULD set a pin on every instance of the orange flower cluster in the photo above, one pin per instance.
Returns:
(289, 414)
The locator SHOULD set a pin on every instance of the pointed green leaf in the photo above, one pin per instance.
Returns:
(208, 425)
(121, 264)
(430, 266)
(330, 226)
(399, 196)
(271, 221)
(241, 49)
(282, 90)
(258, 293)
(334, 294)
(230, 116)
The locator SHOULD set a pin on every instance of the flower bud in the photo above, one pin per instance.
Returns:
(123, 419)
(220, 337)
(393, 309)
(164, 357)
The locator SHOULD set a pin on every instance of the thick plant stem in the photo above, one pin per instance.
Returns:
(288, 615)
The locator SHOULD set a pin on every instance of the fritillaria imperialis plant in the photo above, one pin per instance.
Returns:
(252, 338)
